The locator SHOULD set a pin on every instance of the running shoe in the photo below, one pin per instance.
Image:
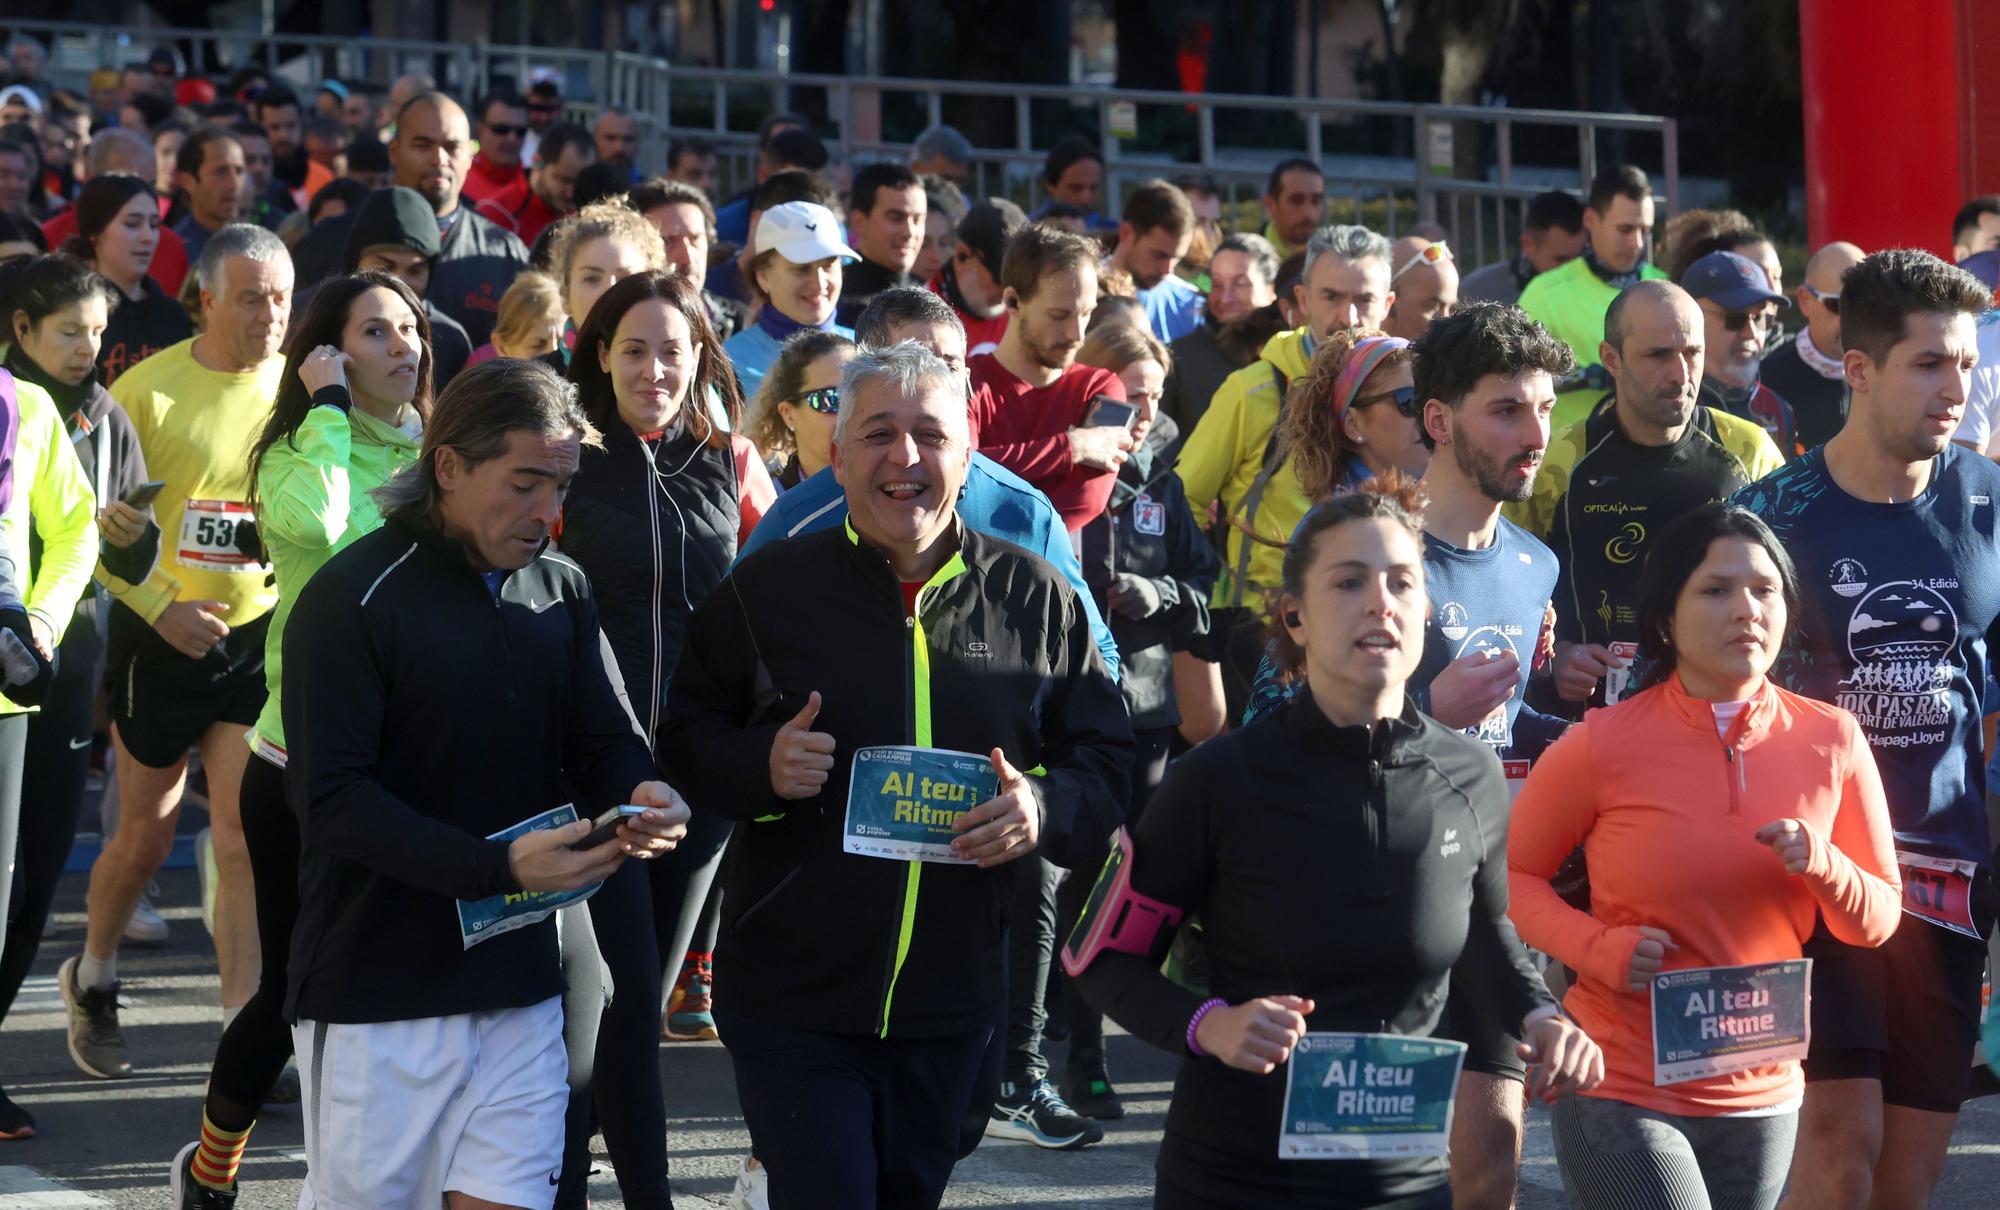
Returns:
(1036, 1113)
(15, 1122)
(753, 1186)
(691, 1010)
(204, 864)
(147, 926)
(95, 1042)
(1087, 1087)
(189, 1193)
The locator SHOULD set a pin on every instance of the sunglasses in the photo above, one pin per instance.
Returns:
(1735, 321)
(1405, 399)
(545, 106)
(1429, 254)
(825, 401)
(1830, 299)
(506, 132)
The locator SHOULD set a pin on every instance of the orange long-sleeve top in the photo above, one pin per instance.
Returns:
(1666, 810)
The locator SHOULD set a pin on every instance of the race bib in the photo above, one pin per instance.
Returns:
(1939, 889)
(1517, 776)
(1618, 679)
(1368, 1097)
(903, 801)
(209, 533)
(1712, 1020)
(484, 919)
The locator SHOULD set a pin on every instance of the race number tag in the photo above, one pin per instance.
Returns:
(1368, 1097)
(1939, 889)
(209, 531)
(1517, 776)
(1712, 1020)
(1618, 679)
(902, 802)
(484, 919)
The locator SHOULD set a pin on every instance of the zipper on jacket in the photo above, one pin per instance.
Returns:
(1378, 824)
(653, 517)
(1739, 784)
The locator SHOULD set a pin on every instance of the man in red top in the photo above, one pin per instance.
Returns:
(970, 280)
(119, 150)
(496, 170)
(566, 149)
(1031, 401)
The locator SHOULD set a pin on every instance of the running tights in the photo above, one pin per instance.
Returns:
(1617, 1156)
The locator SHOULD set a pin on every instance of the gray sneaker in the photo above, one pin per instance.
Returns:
(95, 1043)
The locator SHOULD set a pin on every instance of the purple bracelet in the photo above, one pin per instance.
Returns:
(1194, 1023)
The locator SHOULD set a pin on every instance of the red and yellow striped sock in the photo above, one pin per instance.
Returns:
(220, 1154)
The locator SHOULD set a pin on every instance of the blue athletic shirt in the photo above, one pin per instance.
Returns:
(1481, 600)
(1899, 603)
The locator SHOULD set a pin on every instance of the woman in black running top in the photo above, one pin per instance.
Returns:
(1347, 858)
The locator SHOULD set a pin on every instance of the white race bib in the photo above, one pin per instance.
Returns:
(209, 530)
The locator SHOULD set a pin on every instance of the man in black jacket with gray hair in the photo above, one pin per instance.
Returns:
(456, 694)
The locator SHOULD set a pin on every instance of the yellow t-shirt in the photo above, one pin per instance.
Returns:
(196, 426)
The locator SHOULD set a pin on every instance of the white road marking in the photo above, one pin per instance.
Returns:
(26, 1189)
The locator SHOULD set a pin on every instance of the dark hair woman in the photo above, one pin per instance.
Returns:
(56, 310)
(654, 519)
(349, 414)
(1347, 855)
(118, 233)
(1712, 890)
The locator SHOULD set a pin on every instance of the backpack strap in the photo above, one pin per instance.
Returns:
(1275, 456)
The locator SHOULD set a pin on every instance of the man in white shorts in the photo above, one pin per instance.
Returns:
(458, 689)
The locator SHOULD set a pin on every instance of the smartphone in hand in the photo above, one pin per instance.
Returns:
(145, 493)
(607, 826)
(1104, 411)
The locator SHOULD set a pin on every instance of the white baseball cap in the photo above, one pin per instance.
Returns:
(23, 94)
(802, 232)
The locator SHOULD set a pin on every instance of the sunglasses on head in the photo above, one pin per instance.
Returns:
(506, 132)
(1405, 399)
(545, 106)
(825, 401)
(1830, 299)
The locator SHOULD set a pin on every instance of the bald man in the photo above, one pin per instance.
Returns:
(1806, 369)
(1425, 283)
(1646, 454)
(431, 153)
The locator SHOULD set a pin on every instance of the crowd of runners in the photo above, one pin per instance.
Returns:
(893, 632)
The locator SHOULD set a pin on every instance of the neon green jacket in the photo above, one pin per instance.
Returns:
(313, 499)
(1570, 301)
(52, 494)
(1223, 457)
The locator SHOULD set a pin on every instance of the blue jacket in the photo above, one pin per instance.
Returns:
(996, 502)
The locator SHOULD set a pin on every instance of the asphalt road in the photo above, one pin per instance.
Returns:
(106, 1143)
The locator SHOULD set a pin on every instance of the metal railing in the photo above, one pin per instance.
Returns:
(1405, 175)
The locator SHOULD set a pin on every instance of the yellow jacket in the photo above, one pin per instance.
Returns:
(1223, 456)
(52, 494)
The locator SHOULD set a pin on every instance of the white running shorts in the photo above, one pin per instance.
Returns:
(399, 1113)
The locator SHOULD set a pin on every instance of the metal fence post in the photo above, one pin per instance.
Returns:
(1671, 162)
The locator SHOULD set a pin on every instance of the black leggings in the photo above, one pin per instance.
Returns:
(258, 1043)
(54, 768)
(687, 901)
(619, 1077)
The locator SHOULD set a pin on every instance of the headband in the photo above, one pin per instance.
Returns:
(1362, 361)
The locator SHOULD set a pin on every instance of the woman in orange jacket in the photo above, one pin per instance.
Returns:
(1721, 817)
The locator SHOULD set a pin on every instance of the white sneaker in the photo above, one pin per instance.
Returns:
(204, 864)
(753, 1186)
(147, 926)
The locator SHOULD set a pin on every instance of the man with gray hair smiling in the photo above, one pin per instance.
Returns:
(875, 759)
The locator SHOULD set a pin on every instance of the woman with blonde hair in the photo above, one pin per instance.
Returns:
(595, 249)
(530, 321)
(792, 416)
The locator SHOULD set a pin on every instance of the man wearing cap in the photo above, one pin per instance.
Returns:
(795, 268)
(970, 280)
(395, 233)
(1425, 283)
(1805, 370)
(18, 103)
(1738, 307)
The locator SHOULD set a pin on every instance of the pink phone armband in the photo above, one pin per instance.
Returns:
(1117, 917)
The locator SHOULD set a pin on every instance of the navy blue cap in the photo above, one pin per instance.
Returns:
(1729, 279)
(1985, 266)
